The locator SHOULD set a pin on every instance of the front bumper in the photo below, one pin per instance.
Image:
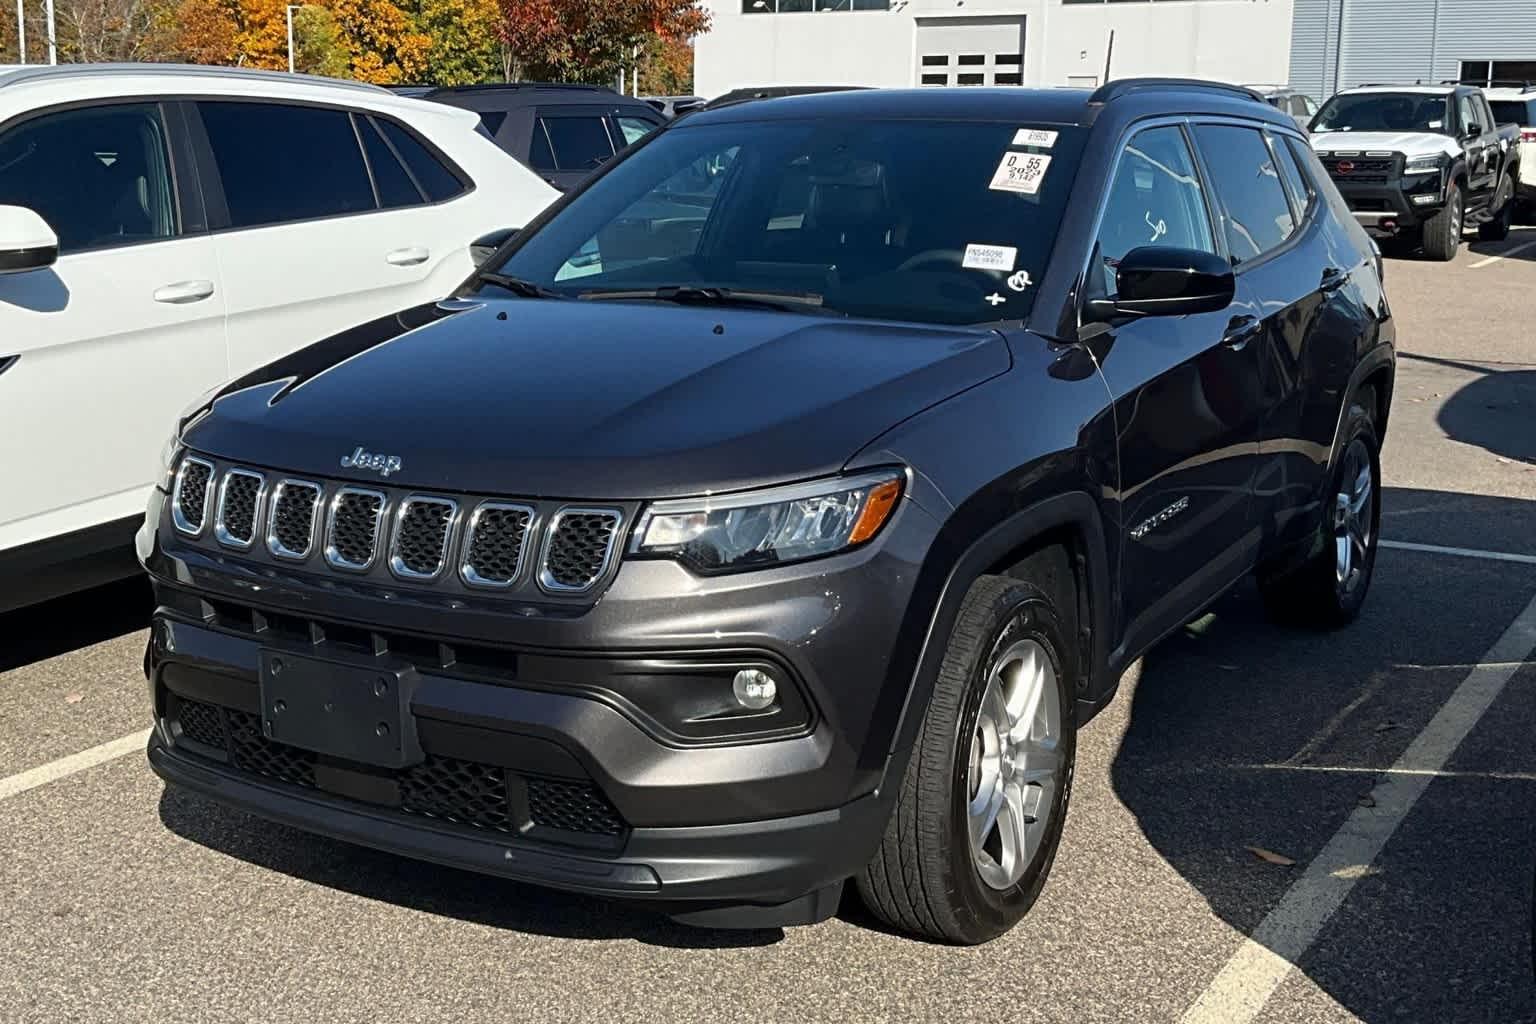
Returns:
(512, 704)
(1390, 201)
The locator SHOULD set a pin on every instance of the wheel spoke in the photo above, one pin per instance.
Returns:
(983, 815)
(1013, 831)
(1346, 557)
(1362, 491)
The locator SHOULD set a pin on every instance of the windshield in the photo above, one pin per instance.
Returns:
(927, 221)
(1385, 112)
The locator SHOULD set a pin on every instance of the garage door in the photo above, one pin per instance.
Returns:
(970, 51)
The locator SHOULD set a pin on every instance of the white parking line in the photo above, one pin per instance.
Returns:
(1353, 769)
(1242, 988)
(1516, 251)
(1436, 549)
(66, 766)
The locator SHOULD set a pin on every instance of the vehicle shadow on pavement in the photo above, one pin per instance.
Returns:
(1517, 237)
(65, 624)
(1496, 412)
(430, 888)
(1250, 744)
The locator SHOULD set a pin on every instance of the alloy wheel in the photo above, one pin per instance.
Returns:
(1015, 764)
(1354, 517)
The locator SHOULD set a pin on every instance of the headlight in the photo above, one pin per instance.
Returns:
(757, 529)
(170, 454)
(1424, 165)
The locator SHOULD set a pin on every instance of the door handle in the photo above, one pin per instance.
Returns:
(1334, 279)
(408, 257)
(1240, 331)
(182, 292)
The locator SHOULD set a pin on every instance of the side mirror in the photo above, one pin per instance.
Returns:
(1164, 281)
(484, 247)
(26, 241)
(1474, 129)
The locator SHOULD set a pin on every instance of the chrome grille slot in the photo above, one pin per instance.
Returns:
(579, 548)
(498, 535)
(352, 531)
(423, 530)
(192, 496)
(239, 510)
(291, 520)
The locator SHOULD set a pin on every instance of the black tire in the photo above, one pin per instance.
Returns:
(923, 879)
(1497, 229)
(1442, 232)
(1314, 593)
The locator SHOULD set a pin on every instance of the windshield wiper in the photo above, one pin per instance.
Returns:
(518, 286)
(710, 296)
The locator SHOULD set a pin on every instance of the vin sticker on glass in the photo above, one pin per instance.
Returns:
(990, 257)
(1020, 172)
(1040, 138)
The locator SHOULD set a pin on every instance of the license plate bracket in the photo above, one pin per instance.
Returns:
(344, 709)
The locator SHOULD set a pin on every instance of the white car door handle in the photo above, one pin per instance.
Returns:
(408, 257)
(184, 291)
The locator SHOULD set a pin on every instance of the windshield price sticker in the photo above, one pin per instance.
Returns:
(1020, 172)
(990, 257)
(1039, 137)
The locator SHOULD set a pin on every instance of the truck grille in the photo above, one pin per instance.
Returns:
(580, 545)
(352, 535)
(421, 537)
(426, 539)
(239, 508)
(189, 502)
(450, 789)
(1361, 171)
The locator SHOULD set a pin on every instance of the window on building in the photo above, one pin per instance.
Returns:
(1013, 78)
(1246, 180)
(935, 79)
(973, 59)
(935, 60)
(1498, 72)
(1010, 58)
(973, 79)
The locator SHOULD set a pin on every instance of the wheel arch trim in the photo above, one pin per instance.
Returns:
(1075, 510)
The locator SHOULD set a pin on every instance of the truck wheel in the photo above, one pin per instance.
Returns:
(1497, 229)
(984, 798)
(1329, 588)
(1442, 232)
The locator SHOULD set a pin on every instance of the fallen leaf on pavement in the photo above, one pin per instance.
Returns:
(1270, 856)
(74, 698)
(1387, 727)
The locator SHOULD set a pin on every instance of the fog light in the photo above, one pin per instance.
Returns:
(1425, 200)
(754, 689)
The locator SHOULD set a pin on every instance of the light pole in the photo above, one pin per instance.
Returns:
(291, 9)
(53, 46)
(21, 32)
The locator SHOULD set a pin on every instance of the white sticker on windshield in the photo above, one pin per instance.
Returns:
(1040, 137)
(1020, 172)
(990, 257)
(1437, 124)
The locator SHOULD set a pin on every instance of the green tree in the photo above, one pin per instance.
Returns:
(317, 44)
(590, 40)
(465, 47)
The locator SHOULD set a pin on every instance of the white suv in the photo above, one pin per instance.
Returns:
(165, 228)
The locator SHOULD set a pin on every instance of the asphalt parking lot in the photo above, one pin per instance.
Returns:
(1386, 773)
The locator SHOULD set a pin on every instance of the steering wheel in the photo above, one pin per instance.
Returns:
(953, 258)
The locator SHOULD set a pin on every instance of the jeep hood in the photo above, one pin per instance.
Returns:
(593, 400)
(1407, 143)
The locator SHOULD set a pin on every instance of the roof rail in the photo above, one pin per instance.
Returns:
(1121, 86)
(496, 86)
(59, 71)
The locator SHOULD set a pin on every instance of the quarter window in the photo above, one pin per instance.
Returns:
(1155, 199)
(577, 143)
(1295, 179)
(634, 128)
(283, 163)
(437, 182)
(395, 186)
(99, 176)
(1245, 179)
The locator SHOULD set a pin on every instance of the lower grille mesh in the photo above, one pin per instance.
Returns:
(443, 788)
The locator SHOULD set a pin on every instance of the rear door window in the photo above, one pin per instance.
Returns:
(1247, 182)
(281, 163)
(100, 176)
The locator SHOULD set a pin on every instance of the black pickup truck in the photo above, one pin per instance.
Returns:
(1420, 163)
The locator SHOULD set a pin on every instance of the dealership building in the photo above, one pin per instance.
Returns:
(1318, 46)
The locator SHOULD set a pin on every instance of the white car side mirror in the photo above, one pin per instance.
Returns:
(26, 241)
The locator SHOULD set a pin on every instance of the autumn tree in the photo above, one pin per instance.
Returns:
(666, 66)
(465, 46)
(591, 40)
